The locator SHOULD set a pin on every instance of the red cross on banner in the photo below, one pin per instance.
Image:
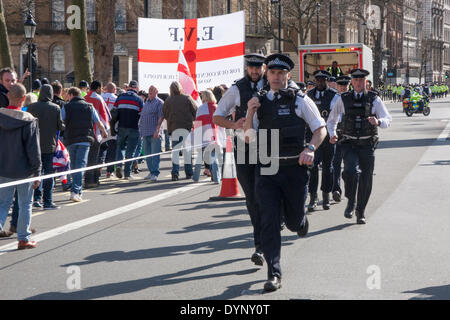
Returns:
(213, 48)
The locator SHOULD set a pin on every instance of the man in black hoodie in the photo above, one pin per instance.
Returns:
(50, 123)
(20, 158)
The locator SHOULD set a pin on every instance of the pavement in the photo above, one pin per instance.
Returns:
(166, 240)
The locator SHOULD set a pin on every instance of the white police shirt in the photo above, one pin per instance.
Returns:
(231, 99)
(378, 108)
(305, 109)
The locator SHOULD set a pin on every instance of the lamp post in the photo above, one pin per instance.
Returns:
(407, 56)
(329, 27)
(279, 22)
(364, 24)
(317, 22)
(30, 29)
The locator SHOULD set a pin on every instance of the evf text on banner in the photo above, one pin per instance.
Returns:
(214, 48)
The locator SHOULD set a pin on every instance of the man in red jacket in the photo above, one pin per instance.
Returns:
(91, 177)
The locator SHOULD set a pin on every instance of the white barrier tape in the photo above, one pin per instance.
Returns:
(62, 173)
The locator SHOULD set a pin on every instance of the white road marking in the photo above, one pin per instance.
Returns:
(444, 134)
(103, 216)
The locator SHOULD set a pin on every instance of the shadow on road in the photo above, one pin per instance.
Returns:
(437, 163)
(114, 289)
(214, 205)
(214, 225)
(335, 228)
(432, 293)
(244, 241)
(385, 144)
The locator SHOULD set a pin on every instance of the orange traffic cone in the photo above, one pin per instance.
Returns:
(230, 187)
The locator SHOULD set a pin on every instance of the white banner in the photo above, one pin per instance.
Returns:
(214, 48)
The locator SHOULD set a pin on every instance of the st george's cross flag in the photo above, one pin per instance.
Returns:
(185, 79)
(214, 48)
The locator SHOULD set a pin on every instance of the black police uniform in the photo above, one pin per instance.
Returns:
(337, 159)
(286, 188)
(245, 171)
(358, 145)
(325, 153)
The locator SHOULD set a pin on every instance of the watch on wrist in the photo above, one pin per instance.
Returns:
(311, 147)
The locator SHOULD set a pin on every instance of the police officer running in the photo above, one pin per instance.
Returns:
(235, 100)
(324, 98)
(284, 111)
(343, 83)
(362, 113)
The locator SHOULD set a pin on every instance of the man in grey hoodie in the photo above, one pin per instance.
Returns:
(20, 158)
(50, 124)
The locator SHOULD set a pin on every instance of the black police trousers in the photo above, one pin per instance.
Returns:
(358, 183)
(337, 168)
(246, 177)
(324, 154)
(289, 185)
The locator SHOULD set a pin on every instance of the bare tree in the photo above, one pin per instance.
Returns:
(358, 9)
(296, 21)
(5, 50)
(104, 39)
(80, 47)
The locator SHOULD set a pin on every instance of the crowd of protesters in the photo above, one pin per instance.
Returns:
(96, 124)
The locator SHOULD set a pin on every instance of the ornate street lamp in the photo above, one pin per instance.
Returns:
(30, 29)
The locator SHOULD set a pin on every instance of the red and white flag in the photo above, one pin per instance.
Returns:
(185, 79)
(213, 48)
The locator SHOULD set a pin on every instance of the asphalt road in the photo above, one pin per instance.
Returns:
(165, 240)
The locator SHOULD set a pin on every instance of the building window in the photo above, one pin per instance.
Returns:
(121, 16)
(58, 14)
(190, 9)
(58, 60)
(155, 8)
(90, 15)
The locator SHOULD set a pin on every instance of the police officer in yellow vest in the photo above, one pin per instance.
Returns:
(334, 70)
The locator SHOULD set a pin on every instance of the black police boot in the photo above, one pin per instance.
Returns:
(326, 201)
(272, 284)
(360, 218)
(258, 258)
(337, 196)
(312, 202)
(349, 209)
(304, 229)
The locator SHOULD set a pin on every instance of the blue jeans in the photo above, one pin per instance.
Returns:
(47, 184)
(138, 151)
(128, 138)
(176, 166)
(213, 162)
(152, 146)
(166, 140)
(25, 198)
(78, 159)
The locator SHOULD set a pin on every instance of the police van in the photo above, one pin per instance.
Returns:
(321, 56)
